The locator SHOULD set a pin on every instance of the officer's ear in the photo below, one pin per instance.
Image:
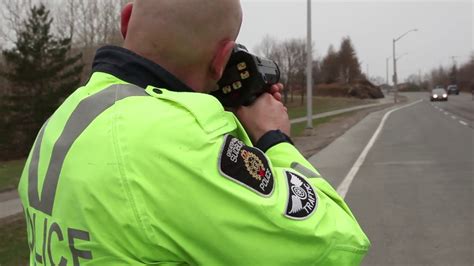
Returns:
(221, 57)
(125, 19)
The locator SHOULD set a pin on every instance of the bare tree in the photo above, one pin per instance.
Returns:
(413, 78)
(453, 75)
(66, 18)
(439, 77)
(462, 76)
(13, 13)
(290, 55)
(267, 46)
(90, 24)
(290, 48)
(272, 49)
(466, 75)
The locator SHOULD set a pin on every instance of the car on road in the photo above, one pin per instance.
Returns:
(453, 89)
(439, 94)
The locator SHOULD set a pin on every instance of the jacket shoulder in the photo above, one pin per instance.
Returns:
(204, 109)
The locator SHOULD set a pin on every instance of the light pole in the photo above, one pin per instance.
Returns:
(395, 78)
(400, 56)
(387, 66)
(309, 71)
(453, 57)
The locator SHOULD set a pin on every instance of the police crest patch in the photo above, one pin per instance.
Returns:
(246, 165)
(302, 199)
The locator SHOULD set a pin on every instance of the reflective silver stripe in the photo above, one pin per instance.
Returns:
(87, 110)
(33, 168)
(304, 170)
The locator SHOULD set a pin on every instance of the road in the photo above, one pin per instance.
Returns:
(459, 107)
(414, 192)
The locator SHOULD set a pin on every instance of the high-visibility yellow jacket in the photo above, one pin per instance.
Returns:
(129, 174)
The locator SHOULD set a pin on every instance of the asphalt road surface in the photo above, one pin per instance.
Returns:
(414, 192)
(459, 107)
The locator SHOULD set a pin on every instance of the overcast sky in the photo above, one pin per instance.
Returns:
(445, 29)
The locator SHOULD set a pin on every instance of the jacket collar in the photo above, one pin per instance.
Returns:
(135, 69)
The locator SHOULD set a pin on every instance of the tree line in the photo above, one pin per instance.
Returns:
(46, 51)
(341, 66)
(463, 76)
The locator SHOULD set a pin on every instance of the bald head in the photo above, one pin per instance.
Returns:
(184, 36)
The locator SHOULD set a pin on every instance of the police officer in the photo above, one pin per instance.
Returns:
(141, 166)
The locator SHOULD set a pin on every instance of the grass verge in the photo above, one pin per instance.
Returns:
(297, 129)
(324, 104)
(10, 172)
(14, 243)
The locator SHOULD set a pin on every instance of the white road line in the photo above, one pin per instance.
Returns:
(446, 113)
(406, 163)
(347, 181)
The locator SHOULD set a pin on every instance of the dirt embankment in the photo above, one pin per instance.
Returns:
(361, 89)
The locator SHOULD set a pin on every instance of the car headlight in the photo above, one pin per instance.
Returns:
(445, 95)
(435, 96)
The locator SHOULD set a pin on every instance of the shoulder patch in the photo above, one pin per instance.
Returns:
(302, 199)
(246, 165)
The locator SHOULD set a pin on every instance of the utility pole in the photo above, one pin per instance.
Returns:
(395, 84)
(419, 77)
(452, 73)
(309, 71)
(453, 57)
(395, 78)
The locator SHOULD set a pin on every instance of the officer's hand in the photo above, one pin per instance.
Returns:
(276, 90)
(265, 114)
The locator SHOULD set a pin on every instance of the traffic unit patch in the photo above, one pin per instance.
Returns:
(302, 199)
(246, 165)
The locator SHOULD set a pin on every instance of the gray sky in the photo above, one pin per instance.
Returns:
(445, 29)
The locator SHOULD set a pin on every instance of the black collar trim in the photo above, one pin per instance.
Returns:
(133, 68)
